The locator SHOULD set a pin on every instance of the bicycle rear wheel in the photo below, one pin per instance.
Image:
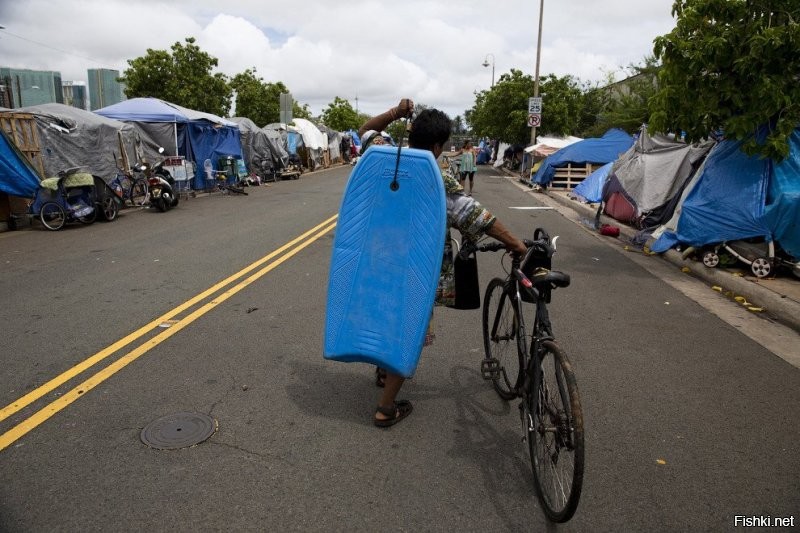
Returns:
(503, 339)
(555, 434)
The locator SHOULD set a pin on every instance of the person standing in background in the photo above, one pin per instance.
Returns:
(467, 168)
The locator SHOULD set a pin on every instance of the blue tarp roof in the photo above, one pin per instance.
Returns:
(209, 136)
(592, 187)
(739, 197)
(144, 110)
(600, 150)
(17, 177)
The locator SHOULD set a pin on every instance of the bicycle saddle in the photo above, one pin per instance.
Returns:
(550, 278)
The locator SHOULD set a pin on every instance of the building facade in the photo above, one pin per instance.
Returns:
(25, 87)
(104, 89)
(75, 94)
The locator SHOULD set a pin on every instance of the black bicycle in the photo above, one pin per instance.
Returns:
(535, 369)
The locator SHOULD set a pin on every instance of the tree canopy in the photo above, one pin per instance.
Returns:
(261, 101)
(501, 112)
(340, 115)
(183, 76)
(731, 65)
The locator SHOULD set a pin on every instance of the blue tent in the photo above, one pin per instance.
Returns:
(601, 150)
(592, 187)
(736, 197)
(193, 134)
(17, 177)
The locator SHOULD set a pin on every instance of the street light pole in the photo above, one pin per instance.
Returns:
(486, 64)
(538, 57)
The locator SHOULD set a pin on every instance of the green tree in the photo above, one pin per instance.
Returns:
(183, 76)
(252, 98)
(731, 64)
(623, 104)
(501, 112)
(340, 115)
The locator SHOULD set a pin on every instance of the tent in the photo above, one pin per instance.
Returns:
(735, 197)
(72, 137)
(279, 143)
(598, 151)
(591, 189)
(645, 183)
(17, 176)
(256, 145)
(193, 134)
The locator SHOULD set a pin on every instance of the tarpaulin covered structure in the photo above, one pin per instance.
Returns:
(72, 137)
(591, 189)
(256, 145)
(17, 176)
(645, 183)
(597, 151)
(193, 134)
(735, 197)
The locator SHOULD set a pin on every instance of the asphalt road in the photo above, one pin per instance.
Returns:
(688, 421)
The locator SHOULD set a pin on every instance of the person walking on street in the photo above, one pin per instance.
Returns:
(467, 167)
(430, 131)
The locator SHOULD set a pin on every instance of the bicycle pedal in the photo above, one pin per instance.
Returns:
(490, 368)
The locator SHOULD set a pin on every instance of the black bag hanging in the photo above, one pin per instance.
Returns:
(468, 291)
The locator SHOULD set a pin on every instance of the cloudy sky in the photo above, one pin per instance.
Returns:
(429, 50)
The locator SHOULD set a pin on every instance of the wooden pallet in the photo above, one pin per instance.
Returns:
(21, 129)
(568, 177)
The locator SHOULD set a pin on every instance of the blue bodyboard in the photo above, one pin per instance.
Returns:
(387, 257)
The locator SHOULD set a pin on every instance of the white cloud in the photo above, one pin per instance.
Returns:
(429, 50)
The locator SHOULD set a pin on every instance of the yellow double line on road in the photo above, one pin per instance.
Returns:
(21, 429)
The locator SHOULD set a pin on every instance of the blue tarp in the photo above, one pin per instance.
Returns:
(592, 187)
(200, 136)
(740, 197)
(17, 177)
(596, 150)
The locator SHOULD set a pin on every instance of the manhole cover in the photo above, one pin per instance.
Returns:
(179, 430)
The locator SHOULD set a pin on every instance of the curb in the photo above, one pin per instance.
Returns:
(778, 306)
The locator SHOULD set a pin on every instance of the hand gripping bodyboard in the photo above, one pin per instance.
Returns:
(387, 256)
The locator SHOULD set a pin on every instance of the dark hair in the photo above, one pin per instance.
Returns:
(429, 128)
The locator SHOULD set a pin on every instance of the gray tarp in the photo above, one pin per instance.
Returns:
(277, 137)
(655, 168)
(72, 137)
(255, 143)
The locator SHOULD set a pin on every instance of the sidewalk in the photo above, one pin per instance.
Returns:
(779, 297)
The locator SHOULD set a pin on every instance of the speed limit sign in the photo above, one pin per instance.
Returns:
(534, 120)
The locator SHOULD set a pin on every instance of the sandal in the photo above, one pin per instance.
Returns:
(397, 411)
(380, 377)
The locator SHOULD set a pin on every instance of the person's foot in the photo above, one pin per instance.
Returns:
(391, 415)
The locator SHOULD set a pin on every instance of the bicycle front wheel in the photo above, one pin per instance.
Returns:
(140, 193)
(503, 339)
(555, 434)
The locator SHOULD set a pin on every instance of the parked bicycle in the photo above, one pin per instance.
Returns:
(535, 369)
(130, 190)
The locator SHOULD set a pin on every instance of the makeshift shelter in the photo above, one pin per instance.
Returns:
(735, 197)
(543, 148)
(195, 135)
(314, 142)
(256, 145)
(71, 137)
(591, 189)
(17, 175)
(593, 151)
(645, 183)
(279, 144)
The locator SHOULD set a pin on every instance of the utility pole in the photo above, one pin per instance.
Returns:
(538, 57)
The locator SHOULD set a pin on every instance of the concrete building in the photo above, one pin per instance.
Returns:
(25, 87)
(75, 94)
(104, 89)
